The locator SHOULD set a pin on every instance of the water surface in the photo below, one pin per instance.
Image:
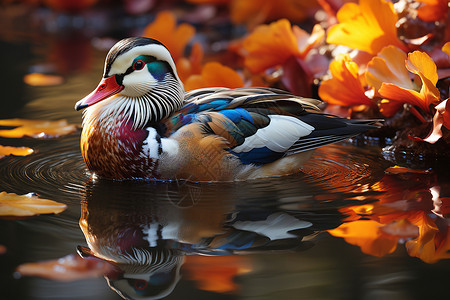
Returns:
(262, 239)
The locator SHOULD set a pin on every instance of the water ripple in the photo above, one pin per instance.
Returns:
(56, 168)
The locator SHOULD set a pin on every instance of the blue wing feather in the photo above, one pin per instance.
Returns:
(238, 114)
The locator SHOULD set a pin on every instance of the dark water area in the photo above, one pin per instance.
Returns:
(275, 238)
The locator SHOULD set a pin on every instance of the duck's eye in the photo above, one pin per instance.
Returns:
(140, 284)
(138, 65)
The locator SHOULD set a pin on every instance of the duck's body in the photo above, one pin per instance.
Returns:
(143, 125)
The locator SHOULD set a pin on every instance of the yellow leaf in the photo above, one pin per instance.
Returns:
(27, 205)
(18, 151)
(446, 49)
(68, 268)
(39, 79)
(388, 66)
(36, 128)
(369, 26)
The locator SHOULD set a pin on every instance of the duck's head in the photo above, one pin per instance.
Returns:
(139, 81)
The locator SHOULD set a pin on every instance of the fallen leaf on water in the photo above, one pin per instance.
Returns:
(39, 79)
(2, 249)
(27, 205)
(68, 268)
(402, 170)
(18, 151)
(36, 128)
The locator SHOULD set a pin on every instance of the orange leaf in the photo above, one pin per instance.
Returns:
(39, 79)
(402, 170)
(2, 249)
(432, 10)
(398, 91)
(367, 235)
(369, 26)
(388, 66)
(68, 268)
(345, 87)
(270, 46)
(192, 65)
(253, 12)
(441, 117)
(216, 273)
(165, 30)
(36, 128)
(423, 247)
(215, 75)
(446, 49)
(18, 151)
(27, 205)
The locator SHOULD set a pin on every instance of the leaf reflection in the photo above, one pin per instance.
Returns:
(408, 212)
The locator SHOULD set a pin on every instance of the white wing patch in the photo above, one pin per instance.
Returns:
(281, 133)
(152, 146)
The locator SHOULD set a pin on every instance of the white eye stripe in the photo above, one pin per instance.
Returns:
(123, 61)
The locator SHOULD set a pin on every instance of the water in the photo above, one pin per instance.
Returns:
(264, 239)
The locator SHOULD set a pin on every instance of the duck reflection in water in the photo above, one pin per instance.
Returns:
(146, 229)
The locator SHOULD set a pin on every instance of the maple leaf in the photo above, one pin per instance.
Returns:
(27, 205)
(36, 128)
(17, 151)
(68, 268)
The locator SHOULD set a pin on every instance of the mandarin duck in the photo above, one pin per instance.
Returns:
(140, 123)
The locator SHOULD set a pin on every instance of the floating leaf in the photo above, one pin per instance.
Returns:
(2, 249)
(27, 205)
(68, 268)
(402, 170)
(39, 79)
(36, 128)
(18, 151)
